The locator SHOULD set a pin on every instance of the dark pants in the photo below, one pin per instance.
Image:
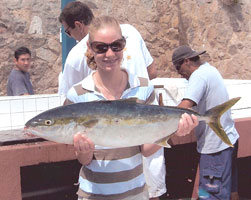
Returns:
(218, 174)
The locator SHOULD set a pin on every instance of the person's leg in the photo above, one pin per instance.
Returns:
(155, 173)
(216, 175)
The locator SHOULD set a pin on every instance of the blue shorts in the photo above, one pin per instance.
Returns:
(218, 174)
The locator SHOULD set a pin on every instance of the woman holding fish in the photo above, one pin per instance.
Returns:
(108, 172)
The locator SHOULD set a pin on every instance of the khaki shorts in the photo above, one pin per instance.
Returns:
(155, 173)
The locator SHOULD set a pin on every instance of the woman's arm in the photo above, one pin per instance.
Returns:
(149, 149)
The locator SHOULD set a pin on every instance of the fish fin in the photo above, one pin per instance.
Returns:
(215, 114)
(163, 142)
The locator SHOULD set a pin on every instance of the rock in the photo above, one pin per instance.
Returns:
(221, 27)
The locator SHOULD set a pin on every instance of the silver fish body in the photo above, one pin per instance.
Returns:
(118, 123)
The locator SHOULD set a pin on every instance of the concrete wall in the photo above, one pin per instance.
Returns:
(13, 157)
(15, 111)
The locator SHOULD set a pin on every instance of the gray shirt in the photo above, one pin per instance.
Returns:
(206, 88)
(19, 83)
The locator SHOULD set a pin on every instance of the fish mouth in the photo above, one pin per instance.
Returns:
(30, 132)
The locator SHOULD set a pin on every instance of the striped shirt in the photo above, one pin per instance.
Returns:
(114, 173)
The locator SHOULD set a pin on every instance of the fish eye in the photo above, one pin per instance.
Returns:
(48, 122)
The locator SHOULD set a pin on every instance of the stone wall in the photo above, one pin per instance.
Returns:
(222, 27)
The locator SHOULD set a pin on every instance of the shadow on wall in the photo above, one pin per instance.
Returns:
(182, 29)
(234, 13)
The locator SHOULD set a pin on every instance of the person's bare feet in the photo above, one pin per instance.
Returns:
(235, 196)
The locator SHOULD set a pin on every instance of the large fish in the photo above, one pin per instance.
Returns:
(120, 123)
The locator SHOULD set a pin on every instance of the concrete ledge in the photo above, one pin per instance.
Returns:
(243, 126)
(15, 156)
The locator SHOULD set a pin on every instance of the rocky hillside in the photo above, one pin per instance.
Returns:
(222, 27)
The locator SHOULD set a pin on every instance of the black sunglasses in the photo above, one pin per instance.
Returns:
(67, 32)
(101, 47)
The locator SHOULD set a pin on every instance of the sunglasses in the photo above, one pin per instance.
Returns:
(101, 47)
(67, 32)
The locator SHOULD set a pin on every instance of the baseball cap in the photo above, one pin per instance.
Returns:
(184, 52)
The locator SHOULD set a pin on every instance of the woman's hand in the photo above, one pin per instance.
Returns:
(186, 124)
(84, 148)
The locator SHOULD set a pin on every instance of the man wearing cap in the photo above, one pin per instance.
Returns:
(206, 89)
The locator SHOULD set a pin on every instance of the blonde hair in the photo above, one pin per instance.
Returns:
(97, 24)
(90, 60)
(103, 22)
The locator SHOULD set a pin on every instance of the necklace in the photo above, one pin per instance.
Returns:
(111, 93)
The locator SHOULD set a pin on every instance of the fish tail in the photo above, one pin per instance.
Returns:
(215, 114)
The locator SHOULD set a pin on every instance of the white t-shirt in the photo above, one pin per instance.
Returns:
(206, 88)
(75, 68)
